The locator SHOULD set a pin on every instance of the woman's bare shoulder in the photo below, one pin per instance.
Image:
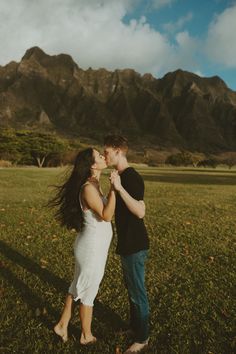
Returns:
(89, 188)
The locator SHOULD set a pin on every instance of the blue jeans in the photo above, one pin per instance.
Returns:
(133, 271)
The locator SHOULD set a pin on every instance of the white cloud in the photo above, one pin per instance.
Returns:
(93, 33)
(176, 26)
(221, 39)
(186, 51)
(183, 38)
(199, 73)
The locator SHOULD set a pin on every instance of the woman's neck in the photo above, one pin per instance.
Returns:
(95, 177)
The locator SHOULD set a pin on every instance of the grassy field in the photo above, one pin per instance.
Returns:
(191, 219)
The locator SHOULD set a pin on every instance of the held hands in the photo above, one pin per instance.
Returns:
(115, 180)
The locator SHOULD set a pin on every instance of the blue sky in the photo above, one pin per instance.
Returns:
(155, 36)
(171, 16)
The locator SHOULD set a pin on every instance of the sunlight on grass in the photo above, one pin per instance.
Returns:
(190, 216)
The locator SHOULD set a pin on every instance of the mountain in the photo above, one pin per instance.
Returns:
(180, 110)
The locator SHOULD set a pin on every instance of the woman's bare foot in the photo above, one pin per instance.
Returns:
(87, 340)
(61, 331)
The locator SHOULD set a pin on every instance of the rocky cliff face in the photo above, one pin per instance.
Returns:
(180, 110)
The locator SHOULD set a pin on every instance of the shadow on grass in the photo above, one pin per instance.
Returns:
(191, 179)
(101, 312)
(35, 303)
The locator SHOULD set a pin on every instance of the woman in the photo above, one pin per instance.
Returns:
(81, 205)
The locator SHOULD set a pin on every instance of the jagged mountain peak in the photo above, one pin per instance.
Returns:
(36, 53)
(180, 110)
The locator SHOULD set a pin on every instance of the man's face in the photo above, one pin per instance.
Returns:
(111, 155)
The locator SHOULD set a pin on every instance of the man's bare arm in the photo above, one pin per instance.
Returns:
(136, 207)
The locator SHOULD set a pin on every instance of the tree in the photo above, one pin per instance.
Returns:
(10, 149)
(185, 158)
(180, 159)
(228, 159)
(28, 147)
(43, 146)
(208, 163)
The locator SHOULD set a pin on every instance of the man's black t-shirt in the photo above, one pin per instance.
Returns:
(131, 231)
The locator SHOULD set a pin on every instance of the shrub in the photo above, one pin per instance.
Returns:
(180, 159)
(4, 163)
(208, 163)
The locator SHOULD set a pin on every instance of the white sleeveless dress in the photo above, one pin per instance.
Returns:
(90, 249)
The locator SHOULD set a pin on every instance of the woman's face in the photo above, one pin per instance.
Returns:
(99, 160)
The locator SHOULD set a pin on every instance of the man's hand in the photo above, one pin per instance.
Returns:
(136, 207)
(115, 180)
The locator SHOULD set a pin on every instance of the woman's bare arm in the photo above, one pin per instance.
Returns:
(93, 200)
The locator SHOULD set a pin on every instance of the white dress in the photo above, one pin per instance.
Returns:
(90, 249)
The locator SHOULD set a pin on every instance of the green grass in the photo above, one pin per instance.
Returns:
(190, 277)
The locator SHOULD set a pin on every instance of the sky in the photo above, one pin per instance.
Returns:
(149, 36)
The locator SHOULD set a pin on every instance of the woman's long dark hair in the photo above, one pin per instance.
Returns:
(66, 200)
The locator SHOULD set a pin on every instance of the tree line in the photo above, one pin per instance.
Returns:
(25, 147)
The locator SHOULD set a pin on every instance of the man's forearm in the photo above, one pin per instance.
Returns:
(136, 207)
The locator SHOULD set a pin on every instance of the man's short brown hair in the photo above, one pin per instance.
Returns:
(116, 141)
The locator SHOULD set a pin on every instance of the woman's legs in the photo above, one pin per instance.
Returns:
(86, 313)
(62, 325)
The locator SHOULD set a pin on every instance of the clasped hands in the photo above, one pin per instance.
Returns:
(115, 180)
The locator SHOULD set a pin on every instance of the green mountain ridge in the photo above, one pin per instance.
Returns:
(180, 110)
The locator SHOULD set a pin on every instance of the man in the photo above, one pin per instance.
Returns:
(132, 236)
